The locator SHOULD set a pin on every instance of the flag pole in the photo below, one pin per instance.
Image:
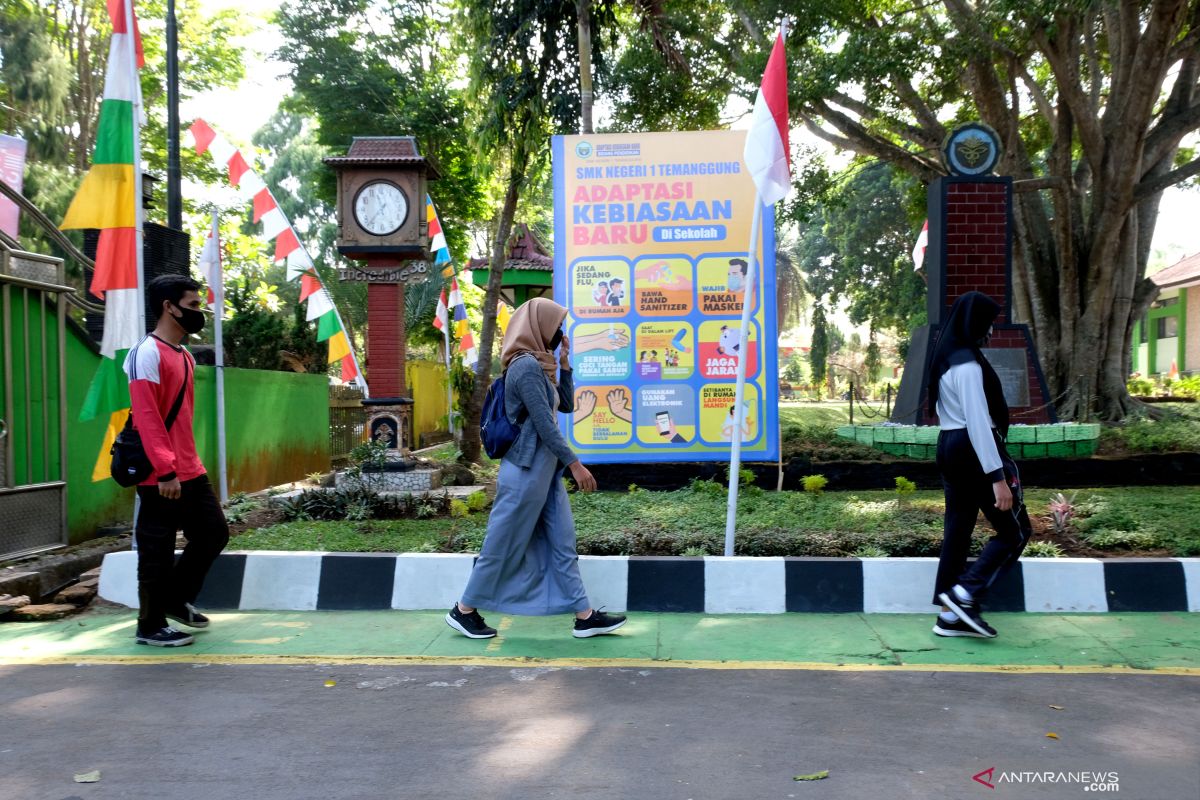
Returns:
(739, 409)
(138, 227)
(449, 382)
(219, 346)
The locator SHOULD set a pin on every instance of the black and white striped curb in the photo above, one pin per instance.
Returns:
(291, 581)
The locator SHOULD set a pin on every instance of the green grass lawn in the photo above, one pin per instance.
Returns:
(827, 413)
(691, 521)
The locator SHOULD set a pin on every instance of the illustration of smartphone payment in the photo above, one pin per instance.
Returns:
(664, 422)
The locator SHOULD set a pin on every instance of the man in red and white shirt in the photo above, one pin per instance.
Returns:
(177, 495)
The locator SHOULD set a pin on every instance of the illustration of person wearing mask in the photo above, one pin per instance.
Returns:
(736, 281)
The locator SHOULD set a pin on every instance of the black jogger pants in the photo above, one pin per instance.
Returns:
(969, 491)
(164, 583)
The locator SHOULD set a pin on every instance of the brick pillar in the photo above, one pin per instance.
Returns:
(385, 339)
(970, 248)
(974, 226)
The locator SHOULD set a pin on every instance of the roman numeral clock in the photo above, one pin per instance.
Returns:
(381, 189)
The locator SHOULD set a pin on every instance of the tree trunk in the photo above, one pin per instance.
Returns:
(471, 444)
(583, 11)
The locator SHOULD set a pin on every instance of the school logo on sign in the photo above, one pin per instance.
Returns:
(972, 149)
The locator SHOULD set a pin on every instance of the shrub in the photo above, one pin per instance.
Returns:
(707, 488)
(1108, 539)
(1187, 387)
(1043, 550)
(870, 551)
(1140, 387)
(358, 510)
(815, 484)
(477, 501)
(695, 551)
(459, 509)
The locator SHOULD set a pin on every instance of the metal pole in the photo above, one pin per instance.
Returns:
(174, 198)
(739, 410)
(139, 228)
(449, 382)
(851, 402)
(218, 345)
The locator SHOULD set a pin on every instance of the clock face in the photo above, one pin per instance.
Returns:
(380, 208)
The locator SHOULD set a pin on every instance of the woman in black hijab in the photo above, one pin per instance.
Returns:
(977, 472)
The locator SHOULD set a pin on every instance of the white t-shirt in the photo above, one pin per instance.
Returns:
(963, 404)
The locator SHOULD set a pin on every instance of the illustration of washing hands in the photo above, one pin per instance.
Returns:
(610, 340)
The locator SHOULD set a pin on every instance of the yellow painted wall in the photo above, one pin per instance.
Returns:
(427, 385)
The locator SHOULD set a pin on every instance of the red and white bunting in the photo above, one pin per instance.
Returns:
(275, 225)
(278, 229)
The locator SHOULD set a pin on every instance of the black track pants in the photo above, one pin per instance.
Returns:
(968, 491)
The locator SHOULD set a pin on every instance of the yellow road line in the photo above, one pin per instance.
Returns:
(638, 663)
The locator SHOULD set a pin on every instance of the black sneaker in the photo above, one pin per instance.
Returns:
(470, 625)
(188, 615)
(967, 612)
(597, 624)
(957, 628)
(165, 637)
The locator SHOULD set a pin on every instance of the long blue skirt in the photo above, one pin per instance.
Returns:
(528, 564)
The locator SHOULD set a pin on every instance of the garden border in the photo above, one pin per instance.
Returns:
(306, 581)
(1150, 469)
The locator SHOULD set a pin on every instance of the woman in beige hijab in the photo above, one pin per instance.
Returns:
(528, 564)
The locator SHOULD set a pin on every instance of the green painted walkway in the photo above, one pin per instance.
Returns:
(1166, 643)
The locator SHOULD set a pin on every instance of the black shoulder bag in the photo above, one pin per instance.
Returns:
(130, 464)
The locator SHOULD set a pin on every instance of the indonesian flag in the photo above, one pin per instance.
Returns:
(441, 318)
(767, 154)
(919, 248)
(210, 262)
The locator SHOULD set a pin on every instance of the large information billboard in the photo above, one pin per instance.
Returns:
(650, 259)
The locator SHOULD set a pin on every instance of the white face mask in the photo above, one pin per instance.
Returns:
(736, 281)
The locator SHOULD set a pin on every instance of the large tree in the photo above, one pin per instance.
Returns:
(53, 57)
(856, 246)
(384, 68)
(1091, 100)
(522, 60)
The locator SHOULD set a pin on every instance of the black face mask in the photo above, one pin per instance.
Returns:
(556, 340)
(190, 319)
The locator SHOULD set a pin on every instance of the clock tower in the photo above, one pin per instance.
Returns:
(381, 190)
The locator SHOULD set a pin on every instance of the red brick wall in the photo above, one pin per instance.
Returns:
(976, 241)
(385, 340)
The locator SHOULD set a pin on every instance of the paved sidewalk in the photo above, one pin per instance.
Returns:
(1101, 643)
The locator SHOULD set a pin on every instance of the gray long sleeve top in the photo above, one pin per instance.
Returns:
(526, 388)
(962, 404)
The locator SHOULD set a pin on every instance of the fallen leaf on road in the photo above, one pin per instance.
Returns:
(88, 777)
(1052, 735)
(816, 776)
(1057, 708)
(330, 684)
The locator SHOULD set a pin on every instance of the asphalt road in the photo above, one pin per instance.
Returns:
(191, 731)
